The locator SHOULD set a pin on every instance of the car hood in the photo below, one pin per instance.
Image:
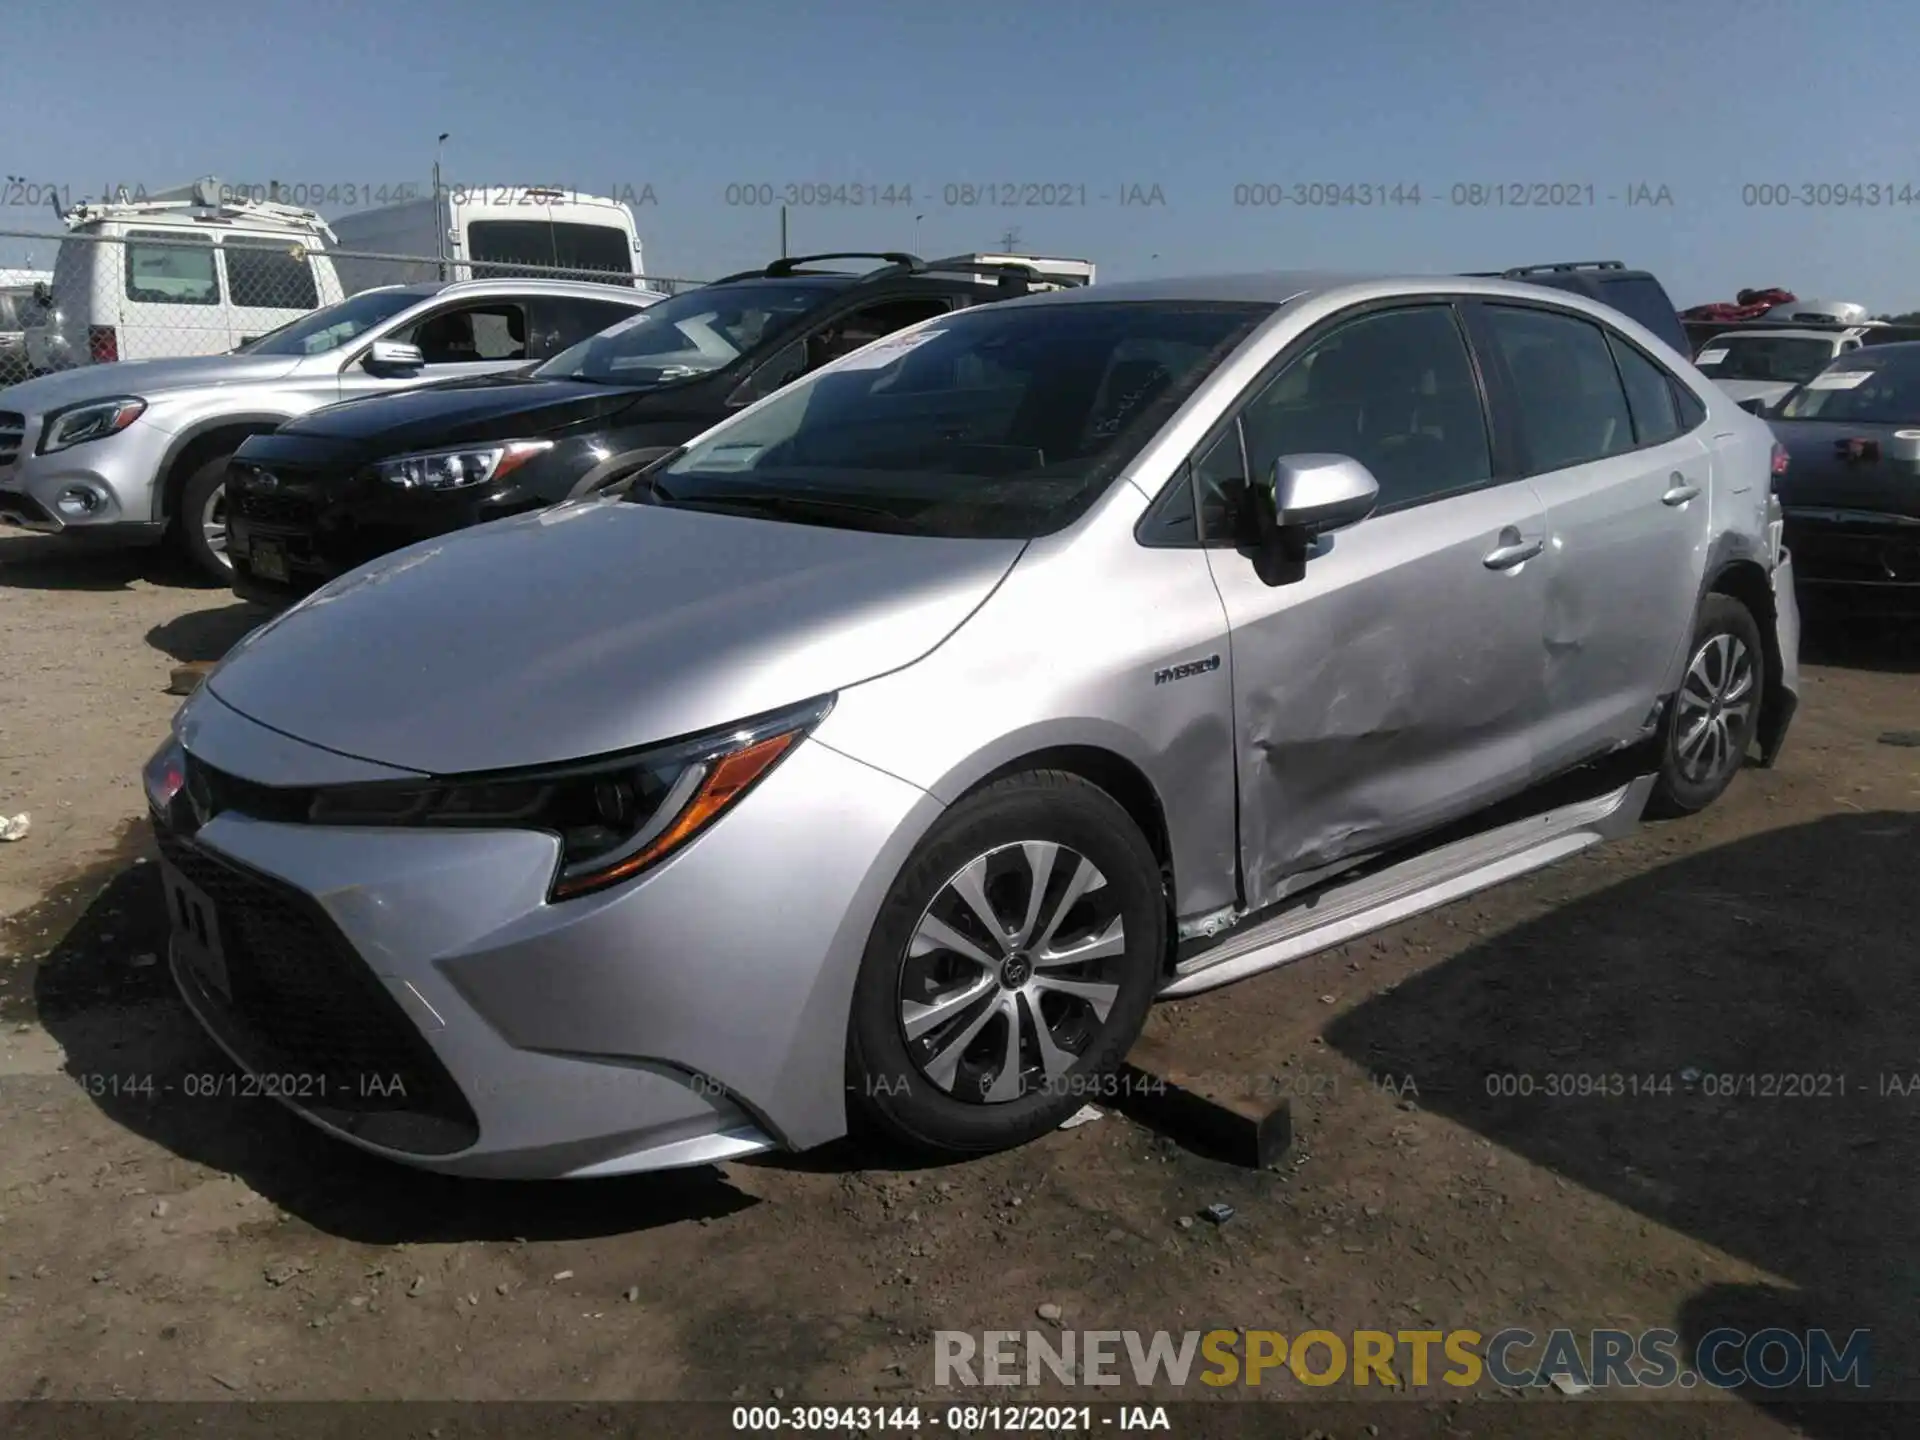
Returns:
(1819, 477)
(593, 627)
(145, 378)
(459, 412)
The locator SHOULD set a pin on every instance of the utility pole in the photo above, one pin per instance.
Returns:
(439, 225)
(1010, 241)
(783, 232)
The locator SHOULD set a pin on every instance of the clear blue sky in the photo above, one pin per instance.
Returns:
(1702, 97)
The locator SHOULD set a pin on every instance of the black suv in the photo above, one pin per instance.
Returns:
(340, 486)
(1634, 293)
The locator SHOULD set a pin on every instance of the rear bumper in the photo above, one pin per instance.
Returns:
(1783, 687)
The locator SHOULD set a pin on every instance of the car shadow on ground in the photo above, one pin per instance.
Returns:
(207, 635)
(1761, 1000)
(44, 562)
(104, 993)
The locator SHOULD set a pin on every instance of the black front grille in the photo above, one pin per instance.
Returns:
(13, 432)
(266, 507)
(214, 791)
(307, 1011)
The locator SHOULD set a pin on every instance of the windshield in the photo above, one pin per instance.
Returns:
(1000, 422)
(334, 326)
(1887, 394)
(1792, 358)
(687, 336)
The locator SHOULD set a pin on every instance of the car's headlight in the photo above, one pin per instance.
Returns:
(165, 775)
(615, 816)
(457, 469)
(78, 424)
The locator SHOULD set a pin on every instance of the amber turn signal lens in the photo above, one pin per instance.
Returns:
(726, 782)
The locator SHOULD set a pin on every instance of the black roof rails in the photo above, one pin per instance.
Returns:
(1518, 271)
(789, 265)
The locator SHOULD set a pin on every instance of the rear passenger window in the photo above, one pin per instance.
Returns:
(1649, 394)
(1572, 407)
(164, 268)
(1692, 413)
(1394, 390)
(270, 275)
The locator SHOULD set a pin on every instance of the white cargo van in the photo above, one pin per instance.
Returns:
(184, 272)
(484, 232)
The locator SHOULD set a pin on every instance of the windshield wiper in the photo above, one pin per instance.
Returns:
(781, 504)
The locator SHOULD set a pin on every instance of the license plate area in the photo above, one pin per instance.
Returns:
(196, 931)
(268, 559)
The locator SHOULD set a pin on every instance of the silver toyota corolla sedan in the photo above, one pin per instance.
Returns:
(880, 757)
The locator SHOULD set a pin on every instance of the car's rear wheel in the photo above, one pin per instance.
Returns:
(1011, 966)
(199, 532)
(1715, 714)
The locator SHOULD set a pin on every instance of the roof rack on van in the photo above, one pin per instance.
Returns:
(204, 200)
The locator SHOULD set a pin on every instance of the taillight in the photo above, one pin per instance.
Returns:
(1780, 459)
(103, 344)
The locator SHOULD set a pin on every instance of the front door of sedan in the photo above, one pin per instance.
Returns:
(1392, 685)
(473, 337)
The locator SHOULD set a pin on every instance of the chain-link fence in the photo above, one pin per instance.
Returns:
(162, 290)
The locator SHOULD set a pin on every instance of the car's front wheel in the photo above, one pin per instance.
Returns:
(1715, 714)
(1011, 967)
(200, 522)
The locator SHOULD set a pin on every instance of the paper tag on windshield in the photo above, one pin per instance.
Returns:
(882, 353)
(639, 318)
(1839, 380)
(1710, 357)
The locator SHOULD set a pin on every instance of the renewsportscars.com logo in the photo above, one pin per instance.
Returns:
(1725, 1359)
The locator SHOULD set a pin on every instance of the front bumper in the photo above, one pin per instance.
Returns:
(318, 525)
(694, 1015)
(113, 476)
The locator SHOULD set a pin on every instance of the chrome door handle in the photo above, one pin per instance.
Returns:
(1505, 557)
(1678, 490)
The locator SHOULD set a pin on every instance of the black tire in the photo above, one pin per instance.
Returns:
(1695, 768)
(186, 532)
(890, 1092)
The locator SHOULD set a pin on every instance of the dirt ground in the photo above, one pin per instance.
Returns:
(165, 1247)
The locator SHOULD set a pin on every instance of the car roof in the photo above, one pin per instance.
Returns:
(538, 285)
(1284, 287)
(808, 279)
(1779, 332)
(1898, 352)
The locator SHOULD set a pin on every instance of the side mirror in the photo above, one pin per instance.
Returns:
(1756, 405)
(392, 355)
(1309, 495)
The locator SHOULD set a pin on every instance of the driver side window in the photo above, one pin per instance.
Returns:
(489, 331)
(1394, 389)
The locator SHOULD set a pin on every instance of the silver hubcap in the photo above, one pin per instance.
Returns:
(213, 523)
(1011, 972)
(1714, 704)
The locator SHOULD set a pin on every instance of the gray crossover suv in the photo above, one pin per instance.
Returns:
(883, 753)
(137, 452)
